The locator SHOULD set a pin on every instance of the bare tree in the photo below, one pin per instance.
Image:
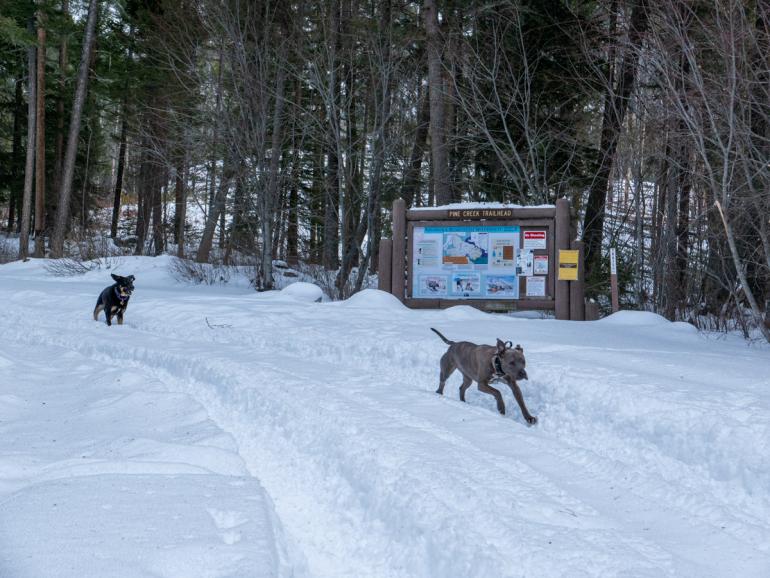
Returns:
(63, 209)
(410, 188)
(270, 196)
(716, 111)
(614, 112)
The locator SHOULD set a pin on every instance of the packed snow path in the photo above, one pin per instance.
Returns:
(651, 456)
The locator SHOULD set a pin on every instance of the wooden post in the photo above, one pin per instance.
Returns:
(398, 259)
(561, 235)
(577, 306)
(384, 267)
(614, 280)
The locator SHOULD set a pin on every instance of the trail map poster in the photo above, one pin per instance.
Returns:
(465, 262)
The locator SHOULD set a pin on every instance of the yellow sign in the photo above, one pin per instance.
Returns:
(568, 265)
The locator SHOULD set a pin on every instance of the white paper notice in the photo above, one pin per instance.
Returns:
(535, 286)
(524, 263)
(613, 262)
(541, 264)
(427, 254)
(534, 240)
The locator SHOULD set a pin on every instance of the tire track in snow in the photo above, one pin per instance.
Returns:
(374, 506)
(653, 477)
(387, 370)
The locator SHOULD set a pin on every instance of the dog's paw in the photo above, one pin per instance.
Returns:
(531, 420)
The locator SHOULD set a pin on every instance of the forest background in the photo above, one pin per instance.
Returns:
(235, 132)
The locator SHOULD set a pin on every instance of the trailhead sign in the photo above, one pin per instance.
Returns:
(491, 256)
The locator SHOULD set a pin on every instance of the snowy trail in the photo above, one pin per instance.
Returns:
(650, 458)
(105, 472)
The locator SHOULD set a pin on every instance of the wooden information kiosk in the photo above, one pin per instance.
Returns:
(493, 257)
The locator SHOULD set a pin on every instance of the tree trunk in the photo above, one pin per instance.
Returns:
(212, 219)
(411, 187)
(16, 194)
(271, 194)
(180, 203)
(157, 209)
(63, 210)
(143, 205)
(332, 196)
(381, 115)
(669, 244)
(84, 188)
(292, 228)
(26, 205)
(116, 203)
(439, 164)
(222, 228)
(683, 227)
(351, 207)
(593, 224)
(331, 212)
(741, 271)
(453, 19)
(215, 138)
(40, 139)
(59, 150)
(658, 210)
(317, 209)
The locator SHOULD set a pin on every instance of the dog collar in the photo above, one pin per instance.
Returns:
(120, 297)
(497, 365)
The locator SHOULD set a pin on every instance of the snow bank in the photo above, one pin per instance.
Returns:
(302, 291)
(646, 319)
(374, 299)
(464, 312)
(637, 318)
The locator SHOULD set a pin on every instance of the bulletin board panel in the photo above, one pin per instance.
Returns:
(500, 264)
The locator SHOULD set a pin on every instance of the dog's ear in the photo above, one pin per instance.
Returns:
(500, 346)
(116, 277)
(519, 348)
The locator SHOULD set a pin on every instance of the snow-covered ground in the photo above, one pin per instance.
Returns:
(225, 433)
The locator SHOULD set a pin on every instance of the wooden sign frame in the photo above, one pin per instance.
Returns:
(398, 278)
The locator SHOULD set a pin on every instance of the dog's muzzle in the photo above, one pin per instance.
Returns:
(522, 375)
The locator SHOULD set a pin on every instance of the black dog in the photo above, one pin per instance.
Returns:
(114, 299)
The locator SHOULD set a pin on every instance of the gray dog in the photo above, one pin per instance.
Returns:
(485, 364)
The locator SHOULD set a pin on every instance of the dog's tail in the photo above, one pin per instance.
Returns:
(444, 339)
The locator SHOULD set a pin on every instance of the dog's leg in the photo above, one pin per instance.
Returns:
(531, 419)
(97, 310)
(120, 317)
(108, 315)
(464, 387)
(447, 369)
(485, 388)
